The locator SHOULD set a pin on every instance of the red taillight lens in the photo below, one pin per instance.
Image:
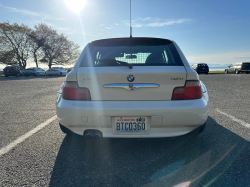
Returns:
(191, 90)
(71, 91)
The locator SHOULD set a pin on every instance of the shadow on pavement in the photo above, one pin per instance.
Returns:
(217, 157)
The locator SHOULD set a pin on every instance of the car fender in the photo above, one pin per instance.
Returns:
(204, 91)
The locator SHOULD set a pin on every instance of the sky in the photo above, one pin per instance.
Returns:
(213, 32)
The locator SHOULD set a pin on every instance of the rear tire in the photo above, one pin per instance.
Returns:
(18, 74)
(61, 74)
(65, 130)
(201, 128)
(6, 75)
(226, 72)
(247, 72)
(236, 71)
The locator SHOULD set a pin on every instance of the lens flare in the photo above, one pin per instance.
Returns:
(75, 5)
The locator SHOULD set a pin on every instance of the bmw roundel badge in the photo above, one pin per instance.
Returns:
(130, 78)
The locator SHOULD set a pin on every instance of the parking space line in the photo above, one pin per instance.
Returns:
(241, 122)
(19, 140)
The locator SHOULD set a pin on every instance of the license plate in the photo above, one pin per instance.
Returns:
(131, 124)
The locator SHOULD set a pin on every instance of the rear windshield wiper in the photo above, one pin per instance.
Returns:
(115, 62)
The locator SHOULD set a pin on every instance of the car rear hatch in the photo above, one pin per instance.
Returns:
(131, 69)
(9, 70)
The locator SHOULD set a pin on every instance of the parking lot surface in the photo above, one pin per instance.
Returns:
(217, 157)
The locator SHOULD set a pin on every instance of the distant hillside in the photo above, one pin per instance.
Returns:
(215, 65)
(218, 65)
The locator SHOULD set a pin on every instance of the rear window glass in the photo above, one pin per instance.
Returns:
(246, 65)
(202, 65)
(10, 68)
(137, 54)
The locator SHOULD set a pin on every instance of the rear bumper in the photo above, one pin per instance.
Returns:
(11, 73)
(203, 70)
(166, 118)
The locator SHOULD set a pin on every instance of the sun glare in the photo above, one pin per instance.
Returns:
(75, 5)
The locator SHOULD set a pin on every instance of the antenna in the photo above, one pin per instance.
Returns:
(130, 22)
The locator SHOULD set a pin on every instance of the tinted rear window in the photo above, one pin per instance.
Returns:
(9, 68)
(202, 65)
(246, 65)
(137, 52)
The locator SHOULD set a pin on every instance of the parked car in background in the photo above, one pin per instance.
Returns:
(57, 71)
(13, 71)
(239, 67)
(69, 69)
(34, 71)
(152, 93)
(200, 68)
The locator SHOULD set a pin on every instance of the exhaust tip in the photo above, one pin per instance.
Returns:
(98, 134)
(90, 134)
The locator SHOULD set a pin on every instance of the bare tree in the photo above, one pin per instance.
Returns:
(7, 57)
(56, 47)
(36, 43)
(19, 42)
(15, 38)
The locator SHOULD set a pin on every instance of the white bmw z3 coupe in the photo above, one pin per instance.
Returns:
(132, 88)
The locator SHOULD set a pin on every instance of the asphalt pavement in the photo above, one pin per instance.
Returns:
(220, 156)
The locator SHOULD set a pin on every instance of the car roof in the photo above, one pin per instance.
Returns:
(130, 41)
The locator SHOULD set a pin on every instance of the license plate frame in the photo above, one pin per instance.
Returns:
(145, 119)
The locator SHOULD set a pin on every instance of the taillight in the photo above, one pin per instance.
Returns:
(71, 91)
(191, 90)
